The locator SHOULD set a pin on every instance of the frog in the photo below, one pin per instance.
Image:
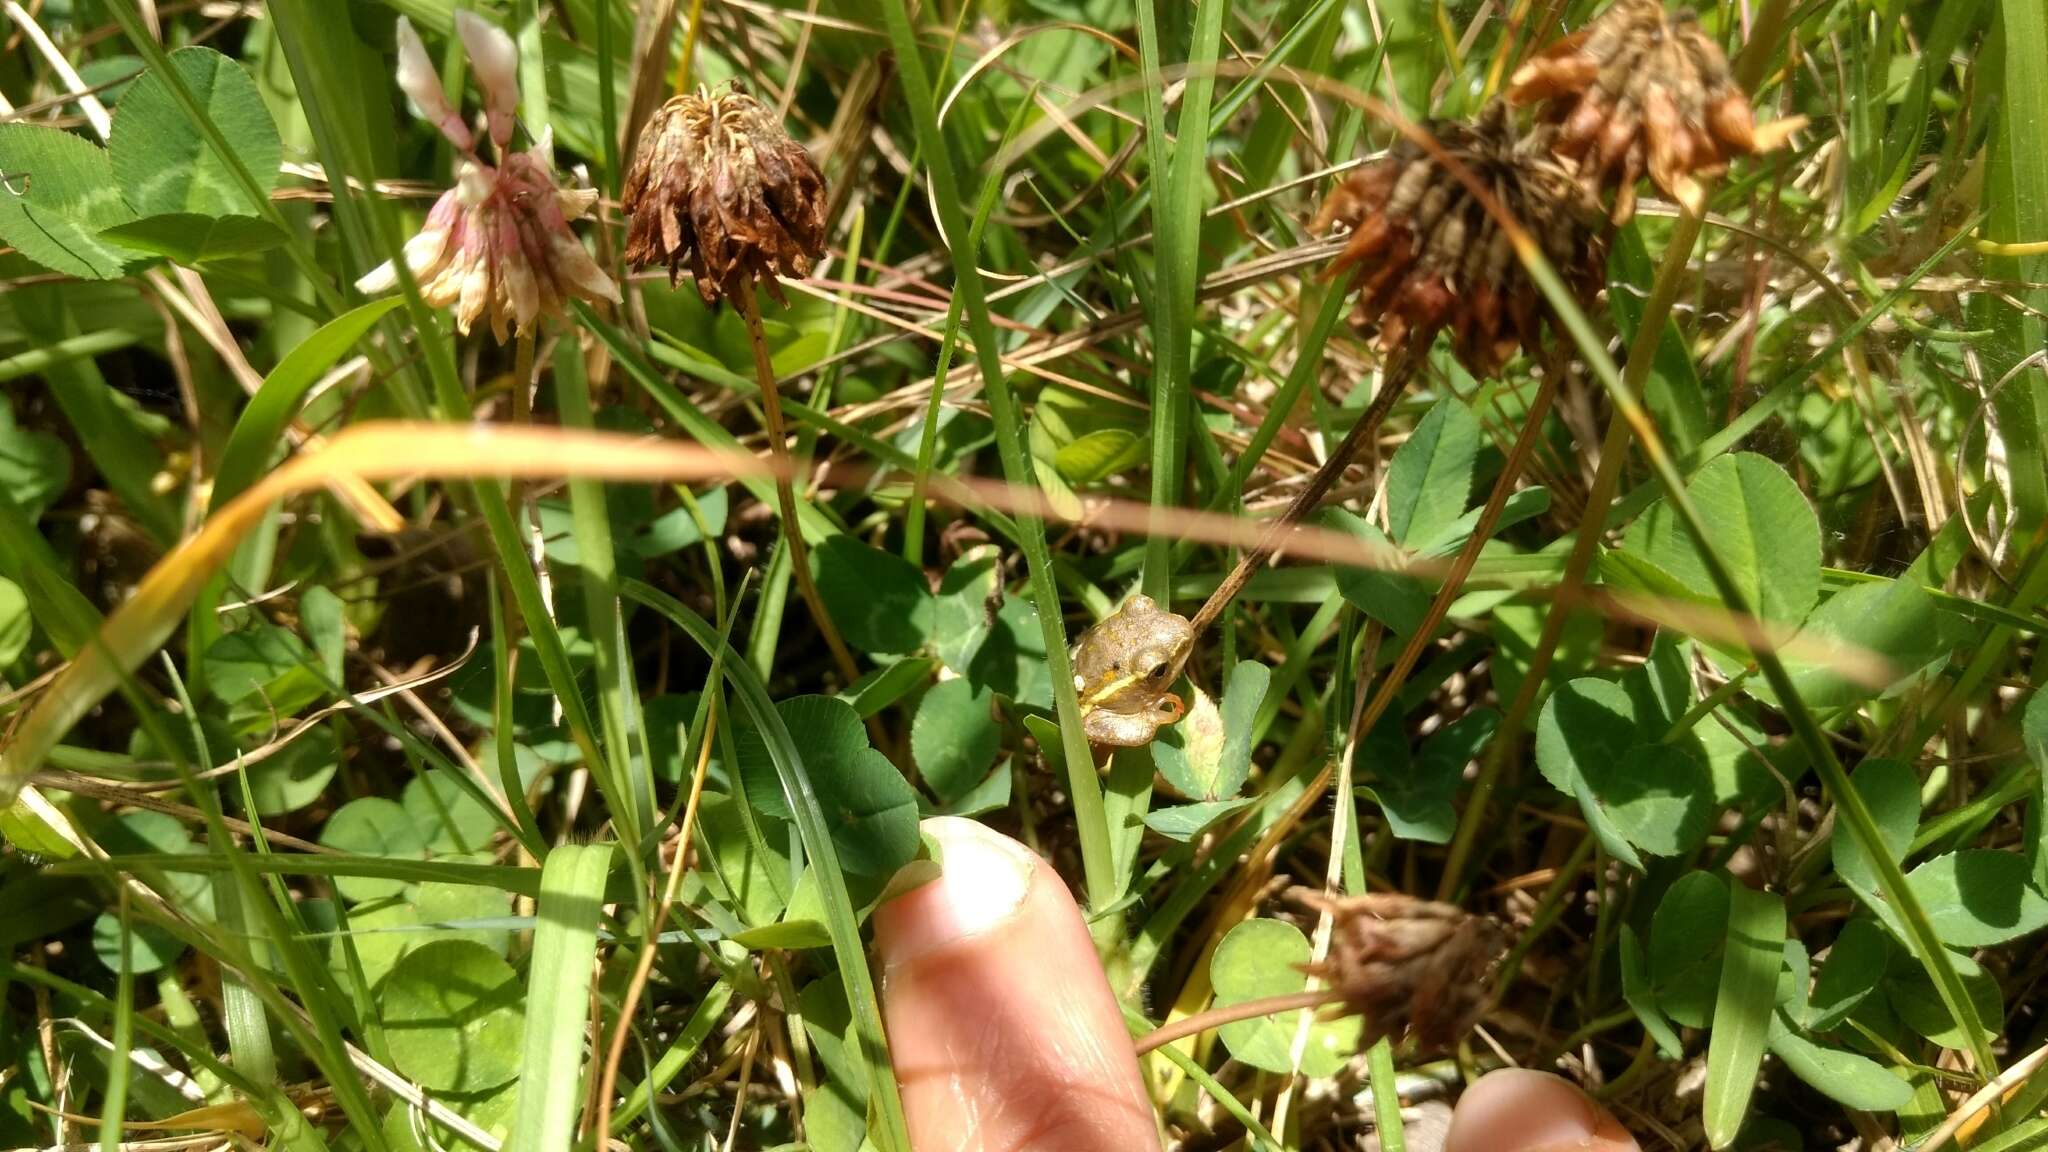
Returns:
(1123, 668)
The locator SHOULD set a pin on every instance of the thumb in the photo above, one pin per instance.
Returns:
(1002, 1027)
(1521, 1110)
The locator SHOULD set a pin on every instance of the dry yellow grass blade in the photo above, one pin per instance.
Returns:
(366, 452)
(1716, 625)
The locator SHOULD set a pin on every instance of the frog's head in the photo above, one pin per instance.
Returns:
(1158, 660)
(1127, 661)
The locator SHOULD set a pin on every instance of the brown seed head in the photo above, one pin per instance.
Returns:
(1428, 255)
(1409, 965)
(718, 187)
(1643, 87)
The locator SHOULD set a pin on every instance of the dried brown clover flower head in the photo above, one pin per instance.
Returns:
(718, 187)
(1409, 964)
(1428, 255)
(1642, 86)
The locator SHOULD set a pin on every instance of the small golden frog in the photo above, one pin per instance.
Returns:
(1123, 667)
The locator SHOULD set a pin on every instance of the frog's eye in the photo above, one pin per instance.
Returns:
(1158, 672)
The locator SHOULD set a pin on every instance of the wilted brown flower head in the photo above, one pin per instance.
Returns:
(1408, 964)
(1643, 86)
(719, 187)
(1427, 254)
(498, 243)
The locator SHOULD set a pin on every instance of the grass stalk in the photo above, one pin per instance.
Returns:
(871, 1049)
(1642, 354)
(928, 438)
(1177, 242)
(1084, 789)
(114, 1107)
(644, 966)
(1396, 676)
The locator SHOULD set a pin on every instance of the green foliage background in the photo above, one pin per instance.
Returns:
(392, 810)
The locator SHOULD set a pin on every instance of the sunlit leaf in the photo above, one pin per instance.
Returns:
(60, 197)
(1260, 958)
(1430, 478)
(161, 159)
(454, 1016)
(955, 738)
(1761, 526)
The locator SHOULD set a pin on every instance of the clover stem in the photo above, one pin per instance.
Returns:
(785, 490)
(1230, 1014)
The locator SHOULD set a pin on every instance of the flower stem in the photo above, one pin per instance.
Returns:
(785, 489)
(1249, 1010)
(688, 55)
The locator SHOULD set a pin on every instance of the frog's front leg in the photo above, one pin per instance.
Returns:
(1131, 729)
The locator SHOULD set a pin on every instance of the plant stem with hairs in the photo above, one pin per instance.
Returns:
(1399, 371)
(785, 487)
(1249, 1010)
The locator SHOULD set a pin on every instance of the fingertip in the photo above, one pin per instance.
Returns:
(1523, 1110)
(1002, 1027)
(983, 880)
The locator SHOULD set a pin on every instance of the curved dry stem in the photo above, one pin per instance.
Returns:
(785, 488)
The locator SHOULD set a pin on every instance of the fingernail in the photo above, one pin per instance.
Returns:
(983, 880)
(1522, 1110)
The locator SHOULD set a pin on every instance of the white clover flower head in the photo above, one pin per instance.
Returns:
(497, 244)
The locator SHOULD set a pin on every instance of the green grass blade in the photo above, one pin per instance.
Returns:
(949, 340)
(1177, 245)
(510, 878)
(27, 560)
(1742, 1008)
(242, 1013)
(1084, 790)
(265, 417)
(629, 794)
(1386, 1097)
(558, 996)
(40, 360)
(114, 1106)
(871, 1054)
(678, 1054)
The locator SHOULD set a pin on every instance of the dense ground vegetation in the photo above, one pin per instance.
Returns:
(427, 714)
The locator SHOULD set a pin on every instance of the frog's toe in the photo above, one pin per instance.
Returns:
(1169, 709)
